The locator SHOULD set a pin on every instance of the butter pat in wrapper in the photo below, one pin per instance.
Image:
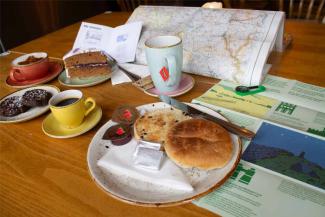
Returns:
(148, 158)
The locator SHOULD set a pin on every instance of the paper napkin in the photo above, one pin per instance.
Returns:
(118, 77)
(120, 160)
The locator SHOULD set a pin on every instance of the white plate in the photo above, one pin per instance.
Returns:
(140, 193)
(33, 112)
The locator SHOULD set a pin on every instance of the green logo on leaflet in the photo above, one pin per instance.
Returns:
(286, 108)
(246, 177)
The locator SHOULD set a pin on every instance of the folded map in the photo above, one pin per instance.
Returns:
(227, 44)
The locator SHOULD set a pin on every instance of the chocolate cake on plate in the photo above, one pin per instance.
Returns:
(12, 106)
(86, 63)
(36, 97)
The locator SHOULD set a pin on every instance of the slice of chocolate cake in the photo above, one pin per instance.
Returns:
(89, 63)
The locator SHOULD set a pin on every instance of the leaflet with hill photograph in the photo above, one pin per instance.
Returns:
(228, 44)
(289, 153)
(280, 163)
(286, 102)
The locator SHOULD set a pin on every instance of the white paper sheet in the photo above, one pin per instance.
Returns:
(118, 77)
(119, 160)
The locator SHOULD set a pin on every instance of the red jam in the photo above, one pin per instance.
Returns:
(120, 131)
(125, 115)
(118, 134)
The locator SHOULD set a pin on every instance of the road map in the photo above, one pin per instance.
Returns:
(227, 44)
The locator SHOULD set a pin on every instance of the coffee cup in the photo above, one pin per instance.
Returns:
(164, 56)
(70, 107)
(29, 66)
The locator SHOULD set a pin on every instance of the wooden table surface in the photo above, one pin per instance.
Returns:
(43, 176)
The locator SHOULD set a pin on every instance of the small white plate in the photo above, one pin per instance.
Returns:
(140, 193)
(33, 112)
(81, 82)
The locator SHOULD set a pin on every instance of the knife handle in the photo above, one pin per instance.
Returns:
(233, 128)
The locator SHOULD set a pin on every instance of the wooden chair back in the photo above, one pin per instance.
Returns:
(303, 9)
(130, 5)
(297, 9)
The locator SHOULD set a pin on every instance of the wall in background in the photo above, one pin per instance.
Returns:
(22, 21)
(25, 20)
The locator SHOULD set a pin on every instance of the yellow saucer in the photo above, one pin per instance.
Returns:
(53, 128)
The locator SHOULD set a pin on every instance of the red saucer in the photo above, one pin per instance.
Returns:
(54, 70)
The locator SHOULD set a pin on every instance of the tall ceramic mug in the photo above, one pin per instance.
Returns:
(165, 59)
(70, 107)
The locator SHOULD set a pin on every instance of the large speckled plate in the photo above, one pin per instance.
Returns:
(33, 112)
(127, 189)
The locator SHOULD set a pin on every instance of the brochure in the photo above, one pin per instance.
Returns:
(252, 192)
(119, 42)
(289, 153)
(282, 170)
(286, 102)
(299, 93)
(282, 173)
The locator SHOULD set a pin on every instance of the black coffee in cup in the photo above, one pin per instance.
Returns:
(66, 102)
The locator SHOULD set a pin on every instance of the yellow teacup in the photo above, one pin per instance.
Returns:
(70, 107)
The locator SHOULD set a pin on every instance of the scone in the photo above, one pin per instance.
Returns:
(199, 143)
(154, 125)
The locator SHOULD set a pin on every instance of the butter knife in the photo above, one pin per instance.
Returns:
(133, 77)
(233, 128)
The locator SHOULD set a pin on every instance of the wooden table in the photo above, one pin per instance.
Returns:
(42, 176)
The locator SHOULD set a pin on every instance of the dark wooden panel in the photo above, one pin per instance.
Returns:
(22, 21)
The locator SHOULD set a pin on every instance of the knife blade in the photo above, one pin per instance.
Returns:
(233, 128)
(133, 77)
